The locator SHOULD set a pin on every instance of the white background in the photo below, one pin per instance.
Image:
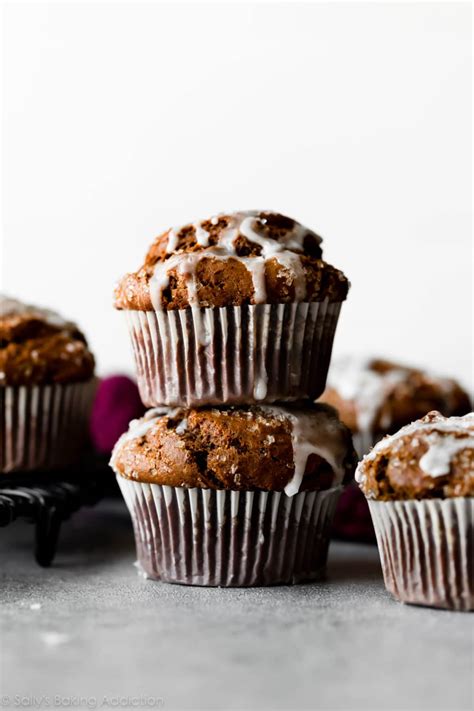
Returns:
(123, 119)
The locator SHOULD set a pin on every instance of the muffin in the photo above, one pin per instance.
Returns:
(46, 389)
(236, 309)
(233, 496)
(375, 397)
(419, 484)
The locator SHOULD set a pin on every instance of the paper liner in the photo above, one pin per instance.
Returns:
(427, 550)
(43, 427)
(233, 355)
(229, 538)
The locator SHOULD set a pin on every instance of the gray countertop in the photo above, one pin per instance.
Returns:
(90, 633)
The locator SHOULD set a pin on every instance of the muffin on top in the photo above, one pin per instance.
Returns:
(236, 309)
(249, 257)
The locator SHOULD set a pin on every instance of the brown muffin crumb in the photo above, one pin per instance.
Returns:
(38, 347)
(236, 448)
(231, 260)
(430, 458)
(381, 396)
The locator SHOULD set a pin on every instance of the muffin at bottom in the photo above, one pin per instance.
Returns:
(229, 538)
(257, 511)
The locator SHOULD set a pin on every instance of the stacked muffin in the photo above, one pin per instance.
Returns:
(227, 317)
(46, 389)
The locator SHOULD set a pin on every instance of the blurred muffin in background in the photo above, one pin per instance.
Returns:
(375, 397)
(47, 386)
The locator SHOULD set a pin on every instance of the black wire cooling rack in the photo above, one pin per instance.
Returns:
(47, 500)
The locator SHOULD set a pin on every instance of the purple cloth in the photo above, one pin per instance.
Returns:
(116, 403)
(352, 521)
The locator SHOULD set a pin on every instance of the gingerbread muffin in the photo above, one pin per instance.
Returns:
(236, 309)
(375, 397)
(46, 388)
(234, 496)
(419, 484)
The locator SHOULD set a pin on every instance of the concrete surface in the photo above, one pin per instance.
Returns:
(90, 633)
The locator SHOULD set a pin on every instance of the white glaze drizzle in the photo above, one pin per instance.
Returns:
(353, 379)
(172, 241)
(313, 432)
(261, 386)
(139, 428)
(291, 262)
(439, 433)
(202, 237)
(182, 426)
(293, 239)
(437, 459)
(241, 223)
(316, 435)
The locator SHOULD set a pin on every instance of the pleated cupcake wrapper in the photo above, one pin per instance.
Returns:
(43, 427)
(233, 355)
(427, 550)
(229, 538)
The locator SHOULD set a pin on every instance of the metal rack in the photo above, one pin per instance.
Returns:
(47, 500)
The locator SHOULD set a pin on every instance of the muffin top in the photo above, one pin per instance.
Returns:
(430, 458)
(260, 447)
(375, 395)
(37, 346)
(241, 258)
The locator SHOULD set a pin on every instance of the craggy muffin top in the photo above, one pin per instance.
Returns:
(375, 395)
(229, 260)
(430, 458)
(260, 447)
(37, 346)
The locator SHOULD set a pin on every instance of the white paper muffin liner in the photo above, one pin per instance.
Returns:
(427, 550)
(43, 427)
(229, 538)
(233, 355)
